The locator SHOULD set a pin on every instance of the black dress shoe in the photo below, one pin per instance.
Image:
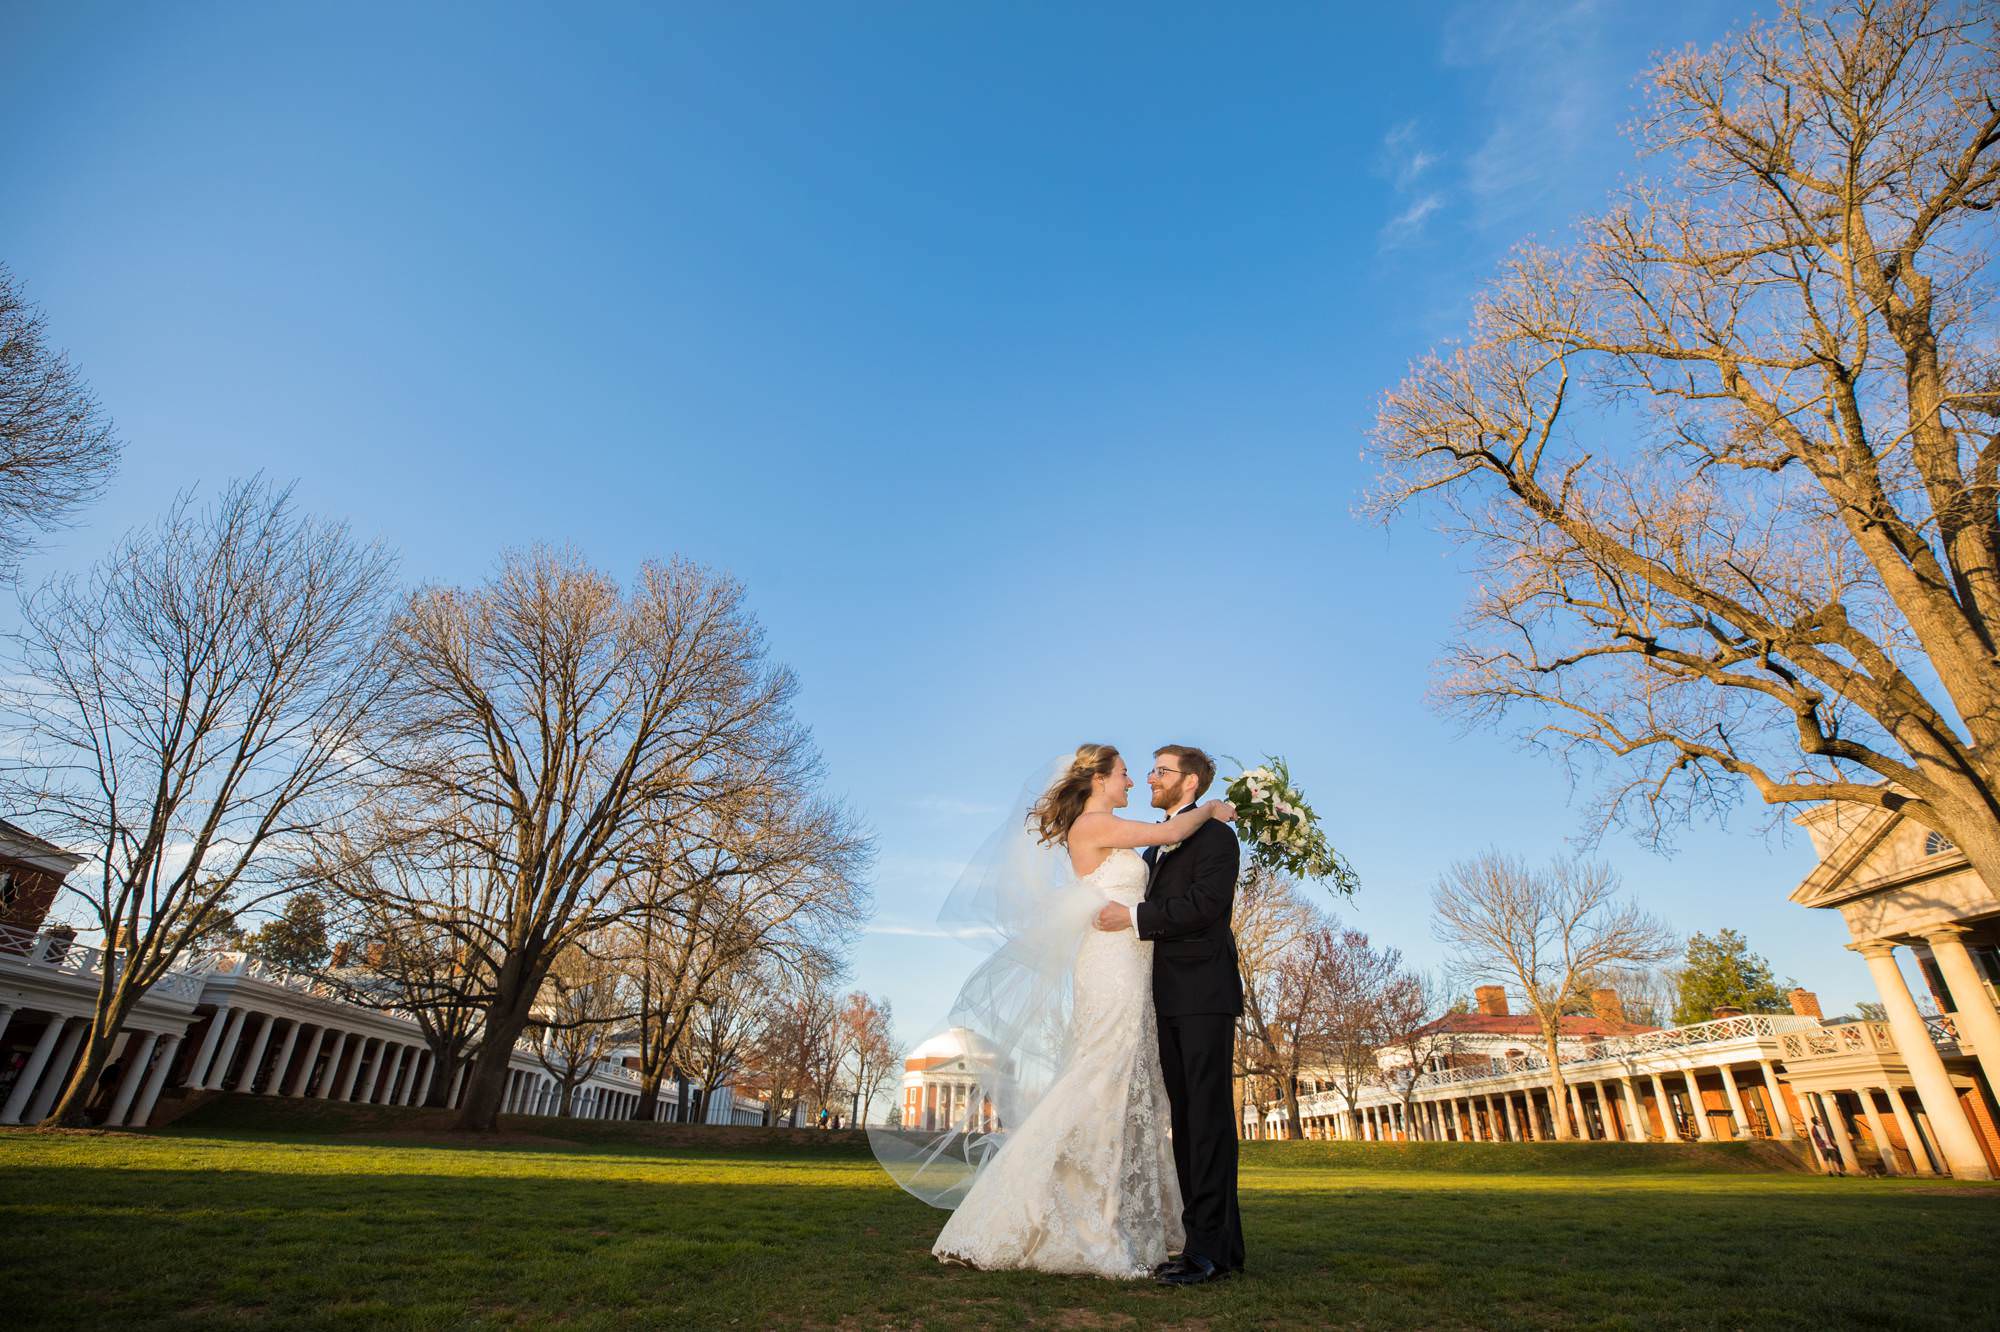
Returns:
(1193, 1270)
(1173, 1261)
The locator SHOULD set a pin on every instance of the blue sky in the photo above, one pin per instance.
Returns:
(1018, 358)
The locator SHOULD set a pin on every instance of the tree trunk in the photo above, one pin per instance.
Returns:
(1294, 1127)
(1558, 1095)
(649, 1097)
(486, 1085)
(72, 1108)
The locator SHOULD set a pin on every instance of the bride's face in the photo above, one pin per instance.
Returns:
(1116, 784)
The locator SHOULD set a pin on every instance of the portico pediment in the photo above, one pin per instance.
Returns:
(1865, 850)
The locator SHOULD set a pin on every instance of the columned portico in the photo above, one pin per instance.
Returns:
(1927, 1071)
(1977, 1018)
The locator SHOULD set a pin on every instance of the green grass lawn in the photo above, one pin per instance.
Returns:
(226, 1220)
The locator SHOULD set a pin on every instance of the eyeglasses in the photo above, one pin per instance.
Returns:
(1166, 772)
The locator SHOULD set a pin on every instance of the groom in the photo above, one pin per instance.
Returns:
(1197, 995)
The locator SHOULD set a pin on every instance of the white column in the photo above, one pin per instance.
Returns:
(56, 1076)
(1919, 1158)
(458, 1083)
(331, 1077)
(1668, 1133)
(198, 1070)
(1513, 1124)
(1634, 1112)
(1576, 1112)
(1776, 1095)
(1702, 1127)
(1843, 1136)
(137, 1063)
(220, 1068)
(416, 1078)
(6, 1017)
(1740, 1119)
(248, 1078)
(303, 1077)
(143, 1113)
(1978, 1021)
(395, 1078)
(279, 1065)
(1888, 1153)
(346, 1092)
(1913, 1042)
(31, 1072)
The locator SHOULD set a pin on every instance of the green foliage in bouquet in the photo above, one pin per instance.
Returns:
(1283, 832)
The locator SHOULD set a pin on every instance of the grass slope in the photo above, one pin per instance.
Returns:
(224, 1222)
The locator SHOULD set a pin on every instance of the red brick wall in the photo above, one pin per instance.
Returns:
(34, 893)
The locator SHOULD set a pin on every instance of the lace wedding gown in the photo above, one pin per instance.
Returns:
(1086, 1183)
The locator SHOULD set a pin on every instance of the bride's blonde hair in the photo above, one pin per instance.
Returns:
(1065, 799)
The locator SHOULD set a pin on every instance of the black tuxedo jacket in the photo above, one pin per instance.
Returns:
(1189, 899)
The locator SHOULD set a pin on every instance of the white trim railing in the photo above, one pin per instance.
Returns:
(56, 949)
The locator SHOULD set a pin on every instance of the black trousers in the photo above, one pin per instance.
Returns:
(1197, 1056)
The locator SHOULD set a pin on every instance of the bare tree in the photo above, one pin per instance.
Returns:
(1546, 933)
(1414, 1006)
(57, 448)
(193, 709)
(798, 1054)
(424, 910)
(1729, 466)
(1357, 980)
(571, 719)
(1270, 919)
(723, 1033)
(584, 994)
(766, 876)
(869, 1051)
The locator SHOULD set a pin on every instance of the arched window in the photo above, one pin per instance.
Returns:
(1937, 844)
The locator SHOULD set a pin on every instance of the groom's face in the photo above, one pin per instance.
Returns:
(1170, 785)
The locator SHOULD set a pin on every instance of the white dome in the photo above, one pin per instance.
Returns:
(950, 1045)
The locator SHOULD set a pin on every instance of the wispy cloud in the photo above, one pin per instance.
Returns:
(909, 931)
(951, 807)
(1550, 99)
(1405, 161)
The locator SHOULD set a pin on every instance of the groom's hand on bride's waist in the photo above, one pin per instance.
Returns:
(1114, 916)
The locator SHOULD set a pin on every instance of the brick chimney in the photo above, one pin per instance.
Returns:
(1725, 1010)
(341, 949)
(1492, 1000)
(1806, 1004)
(1607, 1005)
(375, 952)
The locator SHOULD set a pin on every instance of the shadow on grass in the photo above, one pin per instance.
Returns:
(131, 1231)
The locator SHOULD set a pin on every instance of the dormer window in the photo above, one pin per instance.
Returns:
(1936, 844)
(9, 894)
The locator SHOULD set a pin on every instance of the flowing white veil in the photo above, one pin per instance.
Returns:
(1006, 1035)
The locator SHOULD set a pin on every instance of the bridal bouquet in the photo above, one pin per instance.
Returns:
(1283, 832)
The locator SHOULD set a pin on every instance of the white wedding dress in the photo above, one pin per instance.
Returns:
(1086, 1183)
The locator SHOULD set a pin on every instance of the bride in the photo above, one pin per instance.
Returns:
(1060, 1159)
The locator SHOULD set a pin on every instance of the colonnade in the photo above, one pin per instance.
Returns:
(1608, 1107)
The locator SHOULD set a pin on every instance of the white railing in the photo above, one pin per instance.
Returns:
(1777, 1027)
(1870, 1037)
(56, 949)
